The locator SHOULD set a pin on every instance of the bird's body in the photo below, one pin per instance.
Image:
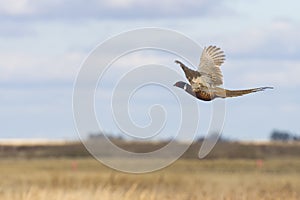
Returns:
(205, 81)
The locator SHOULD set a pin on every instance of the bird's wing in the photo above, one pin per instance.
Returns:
(211, 59)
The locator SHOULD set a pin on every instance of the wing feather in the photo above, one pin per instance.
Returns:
(211, 59)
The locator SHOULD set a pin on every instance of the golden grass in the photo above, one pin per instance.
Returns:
(72, 179)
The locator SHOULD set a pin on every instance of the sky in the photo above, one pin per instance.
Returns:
(44, 43)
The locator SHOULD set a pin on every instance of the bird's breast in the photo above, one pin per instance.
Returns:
(205, 96)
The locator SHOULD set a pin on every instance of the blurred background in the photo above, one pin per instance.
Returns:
(42, 46)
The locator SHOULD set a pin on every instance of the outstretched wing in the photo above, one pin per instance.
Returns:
(211, 59)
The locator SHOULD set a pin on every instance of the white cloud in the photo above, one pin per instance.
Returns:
(16, 30)
(262, 72)
(16, 67)
(16, 7)
(277, 40)
(110, 9)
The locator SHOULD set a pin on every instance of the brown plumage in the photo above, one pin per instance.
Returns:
(204, 81)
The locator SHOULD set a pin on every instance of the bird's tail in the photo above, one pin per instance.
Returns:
(236, 93)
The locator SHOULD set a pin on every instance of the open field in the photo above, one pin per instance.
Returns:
(85, 178)
(229, 150)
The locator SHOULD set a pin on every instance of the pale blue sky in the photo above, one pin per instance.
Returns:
(44, 43)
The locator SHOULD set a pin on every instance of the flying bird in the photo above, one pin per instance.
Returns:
(205, 81)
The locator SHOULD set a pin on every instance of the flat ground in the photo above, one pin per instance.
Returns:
(87, 179)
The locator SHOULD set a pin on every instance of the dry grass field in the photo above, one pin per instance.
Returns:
(87, 179)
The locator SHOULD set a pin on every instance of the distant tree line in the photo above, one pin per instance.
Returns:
(102, 135)
(284, 136)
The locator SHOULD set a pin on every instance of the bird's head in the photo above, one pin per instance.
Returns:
(180, 84)
(186, 87)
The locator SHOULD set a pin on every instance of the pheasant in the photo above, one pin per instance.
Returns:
(205, 81)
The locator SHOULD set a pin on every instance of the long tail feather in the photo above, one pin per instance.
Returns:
(236, 93)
